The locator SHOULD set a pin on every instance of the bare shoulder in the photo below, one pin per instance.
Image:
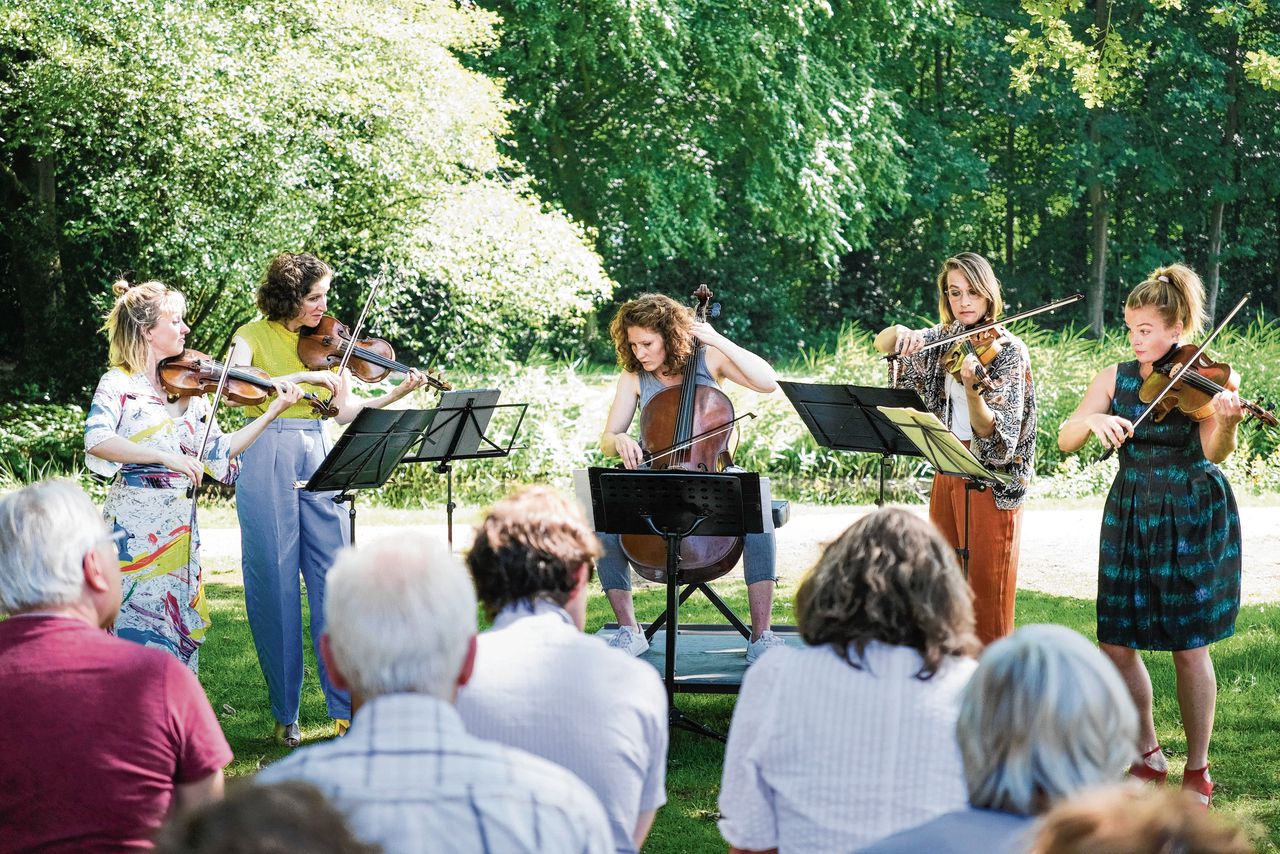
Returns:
(629, 381)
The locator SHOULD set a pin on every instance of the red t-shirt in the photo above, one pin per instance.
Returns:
(94, 734)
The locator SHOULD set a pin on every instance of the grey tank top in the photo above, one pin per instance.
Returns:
(651, 385)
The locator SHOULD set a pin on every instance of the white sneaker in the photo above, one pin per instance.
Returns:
(630, 641)
(758, 647)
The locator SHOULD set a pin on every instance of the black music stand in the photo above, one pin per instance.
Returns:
(948, 455)
(674, 505)
(366, 454)
(455, 430)
(847, 418)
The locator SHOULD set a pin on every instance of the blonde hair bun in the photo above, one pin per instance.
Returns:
(120, 287)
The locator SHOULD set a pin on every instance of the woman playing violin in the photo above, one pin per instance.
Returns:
(653, 336)
(1169, 555)
(147, 442)
(283, 530)
(988, 401)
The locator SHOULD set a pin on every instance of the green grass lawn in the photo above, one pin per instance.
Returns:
(1245, 754)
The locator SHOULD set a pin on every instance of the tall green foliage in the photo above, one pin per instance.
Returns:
(191, 144)
(748, 144)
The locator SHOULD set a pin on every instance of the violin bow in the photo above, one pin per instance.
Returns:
(692, 440)
(1022, 315)
(355, 332)
(1177, 375)
(193, 490)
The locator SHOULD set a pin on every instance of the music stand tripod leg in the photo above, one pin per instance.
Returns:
(722, 607)
(970, 485)
(885, 461)
(447, 470)
(675, 717)
(349, 499)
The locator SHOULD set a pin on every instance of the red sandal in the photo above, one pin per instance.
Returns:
(1144, 772)
(1197, 780)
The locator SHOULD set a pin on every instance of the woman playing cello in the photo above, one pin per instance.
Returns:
(1169, 555)
(653, 336)
(992, 408)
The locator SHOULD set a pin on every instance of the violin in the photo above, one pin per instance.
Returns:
(193, 373)
(1192, 394)
(688, 422)
(985, 344)
(321, 347)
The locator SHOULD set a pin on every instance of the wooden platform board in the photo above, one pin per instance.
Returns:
(710, 659)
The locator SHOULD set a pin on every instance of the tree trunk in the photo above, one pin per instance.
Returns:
(36, 265)
(1098, 232)
(1010, 155)
(1097, 202)
(1230, 142)
(1214, 268)
(937, 75)
(1275, 288)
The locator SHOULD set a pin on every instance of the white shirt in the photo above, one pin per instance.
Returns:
(826, 757)
(958, 407)
(541, 685)
(410, 778)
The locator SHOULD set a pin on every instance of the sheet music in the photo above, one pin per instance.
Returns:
(939, 445)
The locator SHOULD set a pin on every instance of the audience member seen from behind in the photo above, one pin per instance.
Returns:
(1045, 716)
(539, 680)
(101, 737)
(273, 819)
(400, 635)
(853, 737)
(1130, 819)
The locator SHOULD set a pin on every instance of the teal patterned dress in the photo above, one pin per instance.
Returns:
(1169, 555)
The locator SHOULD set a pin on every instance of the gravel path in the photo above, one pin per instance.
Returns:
(1059, 547)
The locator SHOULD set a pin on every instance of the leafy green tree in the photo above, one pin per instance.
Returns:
(749, 145)
(192, 144)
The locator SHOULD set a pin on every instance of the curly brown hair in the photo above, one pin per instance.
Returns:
(890, 577)
(289, 278)
(657, 313)
(530, 547)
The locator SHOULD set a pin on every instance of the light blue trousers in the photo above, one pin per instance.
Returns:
(759, 561)
(283, 532)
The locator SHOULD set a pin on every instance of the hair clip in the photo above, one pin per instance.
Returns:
(1162, 278)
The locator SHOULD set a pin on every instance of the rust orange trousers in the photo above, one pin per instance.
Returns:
(994, 537)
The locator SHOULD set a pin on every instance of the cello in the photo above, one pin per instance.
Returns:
(687, 427)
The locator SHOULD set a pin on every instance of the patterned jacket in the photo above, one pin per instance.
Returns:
(1011, 448)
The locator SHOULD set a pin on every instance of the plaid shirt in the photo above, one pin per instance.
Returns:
(409, 777)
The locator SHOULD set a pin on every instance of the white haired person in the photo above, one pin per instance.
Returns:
(1045, 716)
(100, 739)
(146, 441)
(400, 635)
(853, 737)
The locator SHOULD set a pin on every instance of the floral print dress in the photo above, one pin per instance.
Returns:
(163, 592)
